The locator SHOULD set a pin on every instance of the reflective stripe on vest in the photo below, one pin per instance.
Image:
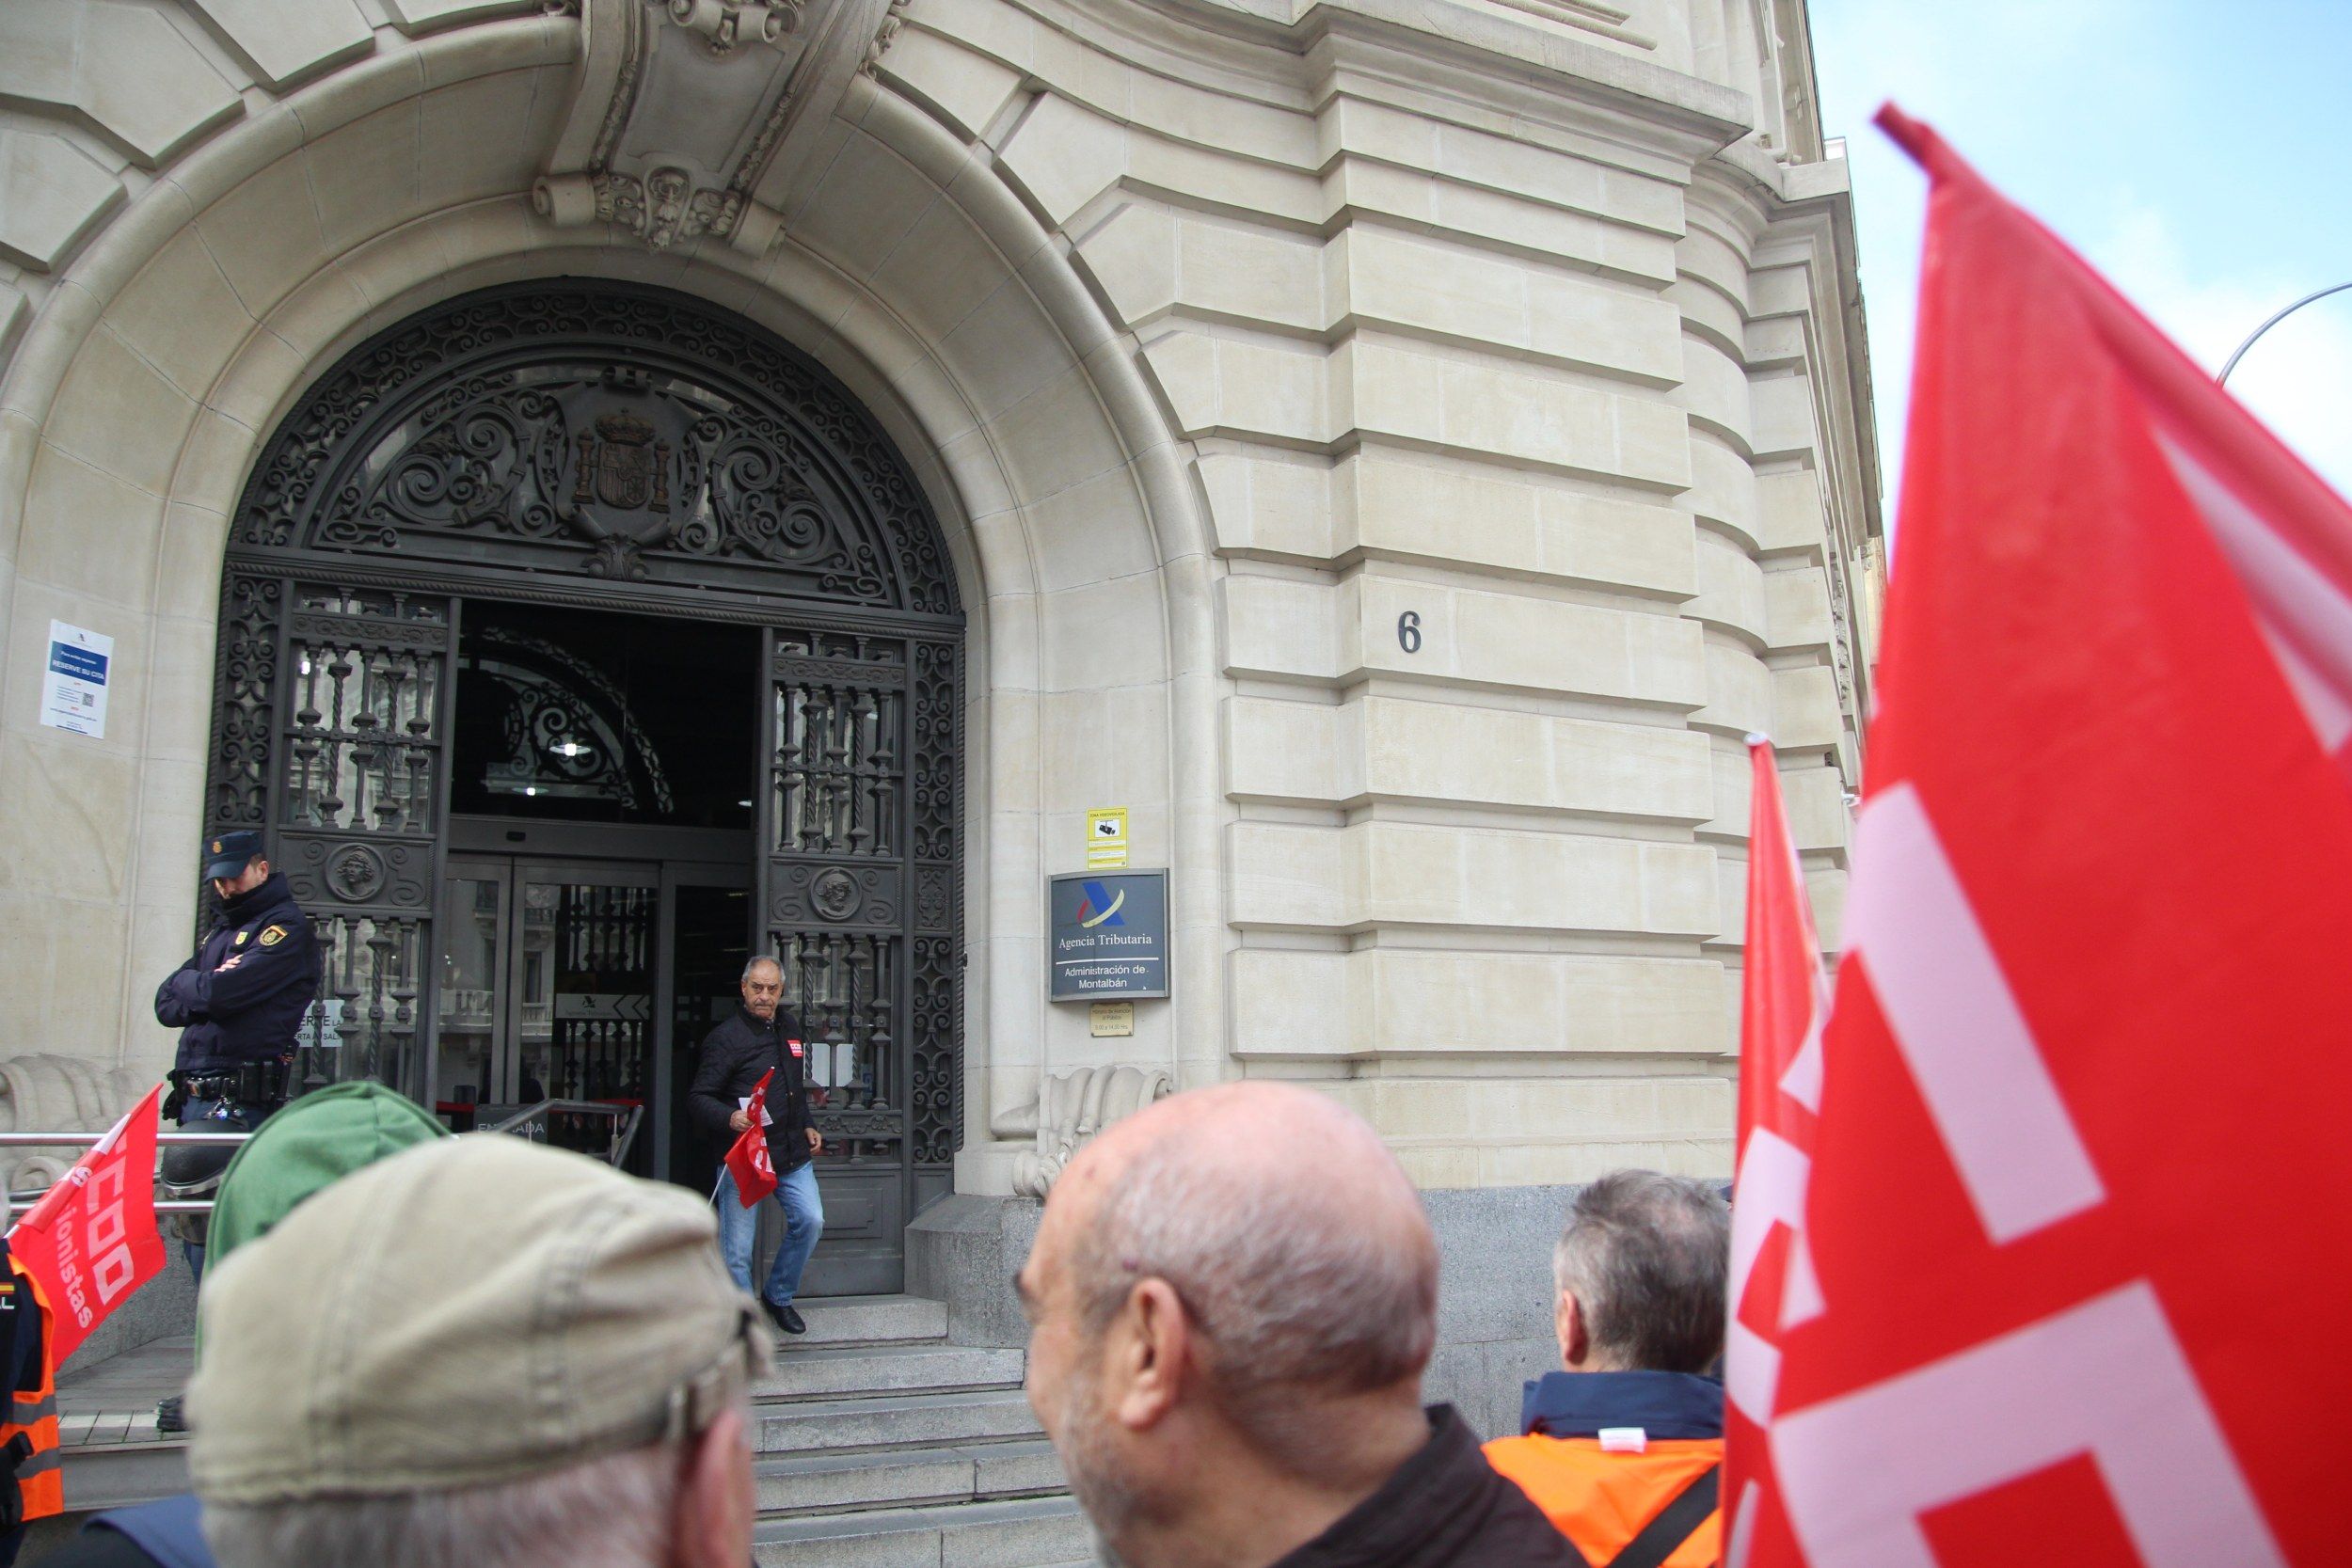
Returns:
(40, 1477)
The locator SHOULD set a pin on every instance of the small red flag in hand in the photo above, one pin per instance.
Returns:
(2075, 1204)
(91, 1240)
(755, 1172)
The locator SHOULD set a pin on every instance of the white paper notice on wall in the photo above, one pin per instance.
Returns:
(74, 682)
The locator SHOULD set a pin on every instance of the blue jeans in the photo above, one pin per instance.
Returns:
(803, 1222)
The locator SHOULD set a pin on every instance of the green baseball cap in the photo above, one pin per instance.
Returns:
(471, 1310)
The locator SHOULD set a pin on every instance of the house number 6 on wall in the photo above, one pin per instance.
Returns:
(1408, 631)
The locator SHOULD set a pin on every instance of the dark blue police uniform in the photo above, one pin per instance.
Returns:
(238, 1004)
(228, 1017)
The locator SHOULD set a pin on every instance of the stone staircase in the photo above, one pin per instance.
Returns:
(882, 1446)
(876, 1444)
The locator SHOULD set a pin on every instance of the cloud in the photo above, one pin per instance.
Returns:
(2063, 107)
(2297, 380)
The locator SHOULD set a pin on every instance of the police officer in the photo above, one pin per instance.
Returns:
(236, 1004)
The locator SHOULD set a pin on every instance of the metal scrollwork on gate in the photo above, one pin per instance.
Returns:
(636, 435)
(246, 679)
(937, 1098)
(862, 843)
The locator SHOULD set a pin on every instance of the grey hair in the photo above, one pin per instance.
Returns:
(614, 1512)
(1296, 1299)
(758, 959)
(1646, 1256)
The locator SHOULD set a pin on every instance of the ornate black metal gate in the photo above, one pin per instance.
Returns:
(609, 447)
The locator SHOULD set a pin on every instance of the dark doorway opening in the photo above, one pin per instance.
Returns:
(582, 716)
(596, 909)
(713, 925)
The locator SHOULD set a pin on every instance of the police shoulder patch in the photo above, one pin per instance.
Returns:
(273, 936)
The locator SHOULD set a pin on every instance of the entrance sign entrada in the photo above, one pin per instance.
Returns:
(1108, 935)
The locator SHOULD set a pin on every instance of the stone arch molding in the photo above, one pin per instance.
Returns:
(140, 396)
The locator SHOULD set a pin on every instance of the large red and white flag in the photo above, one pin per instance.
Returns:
(91, 1240)
(1783, 1003)
(2077, 1206)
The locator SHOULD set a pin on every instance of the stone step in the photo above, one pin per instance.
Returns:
(903, 1420)
(845, 1371)
(1029, 1532)
(869, 1321)
(899, 1478)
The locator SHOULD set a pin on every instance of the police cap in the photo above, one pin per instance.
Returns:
(226, 854)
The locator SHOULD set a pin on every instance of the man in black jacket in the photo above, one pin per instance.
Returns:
(758, 1040)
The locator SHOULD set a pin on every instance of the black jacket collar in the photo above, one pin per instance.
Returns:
(267, 895)
(1443, 1508)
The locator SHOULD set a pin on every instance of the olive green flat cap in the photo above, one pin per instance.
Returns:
(472, 1310)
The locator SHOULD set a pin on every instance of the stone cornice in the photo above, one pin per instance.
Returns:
(1438, 49)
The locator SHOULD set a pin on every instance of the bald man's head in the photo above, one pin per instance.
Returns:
(1299, 1251)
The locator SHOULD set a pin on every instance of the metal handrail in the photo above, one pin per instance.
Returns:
(626, 1119)
(19, 1202)
(40, 1140)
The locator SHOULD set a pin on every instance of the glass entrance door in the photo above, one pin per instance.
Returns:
(566, 978)
(584, 984)
(548, 982)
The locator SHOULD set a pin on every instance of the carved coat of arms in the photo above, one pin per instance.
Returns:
(621, 495)
(622, 465)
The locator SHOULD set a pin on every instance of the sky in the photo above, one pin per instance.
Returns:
(2195, 152)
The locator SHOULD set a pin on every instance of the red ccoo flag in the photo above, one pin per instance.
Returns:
(754, 1168)
(91, 1240)
(1783, 1002)
(2075, 1199)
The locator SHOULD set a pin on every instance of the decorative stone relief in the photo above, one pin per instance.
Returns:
(684, 114)
(1074, 1107)
(58, 1094)
(884, 36)
(725, 24)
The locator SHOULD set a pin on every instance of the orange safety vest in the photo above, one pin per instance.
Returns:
(40, 1477)
(1602, 1500)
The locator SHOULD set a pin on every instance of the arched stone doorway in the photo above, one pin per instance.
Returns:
(579, 638)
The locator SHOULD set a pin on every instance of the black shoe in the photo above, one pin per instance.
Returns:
(786, 1319)
(167, 1416)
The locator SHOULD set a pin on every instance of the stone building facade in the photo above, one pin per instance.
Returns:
(1396, 451)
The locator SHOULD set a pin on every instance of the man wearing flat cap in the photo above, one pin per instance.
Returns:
(237, 1004)
(482, 1351)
